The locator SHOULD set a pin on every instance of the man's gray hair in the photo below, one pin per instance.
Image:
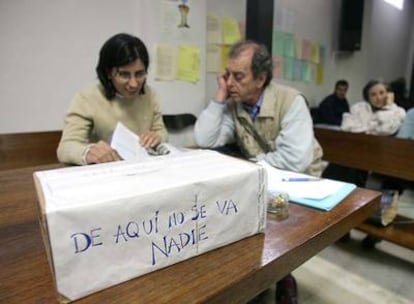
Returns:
(261, 59)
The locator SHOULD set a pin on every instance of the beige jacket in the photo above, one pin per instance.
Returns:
(260, 137)
(92, 117)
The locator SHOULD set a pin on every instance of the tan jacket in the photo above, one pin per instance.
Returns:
(267, 125)
(92, 117)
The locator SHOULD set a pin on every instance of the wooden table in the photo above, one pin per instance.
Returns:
(373, 153)
(381, 154)
(231, 274)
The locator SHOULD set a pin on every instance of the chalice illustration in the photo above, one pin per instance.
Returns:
(184, 9)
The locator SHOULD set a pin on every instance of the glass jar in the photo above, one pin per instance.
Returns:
(278, 204)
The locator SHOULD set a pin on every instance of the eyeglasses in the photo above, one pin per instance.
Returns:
(126, 75)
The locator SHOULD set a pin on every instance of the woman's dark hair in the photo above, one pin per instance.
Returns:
(261, 60)
(368, 86)
(117, 51)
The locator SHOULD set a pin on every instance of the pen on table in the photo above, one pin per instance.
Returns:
(300, 179)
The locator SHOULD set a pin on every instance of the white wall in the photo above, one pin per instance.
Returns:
(390, 40)
(49, 50)
(222, 8)
(387, 43)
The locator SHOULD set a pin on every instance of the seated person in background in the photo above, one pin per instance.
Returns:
(407, 127)
(267, 121)
(121, 95)
(331, 108)
(377, 114)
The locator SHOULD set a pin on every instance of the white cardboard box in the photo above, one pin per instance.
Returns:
(105, 224)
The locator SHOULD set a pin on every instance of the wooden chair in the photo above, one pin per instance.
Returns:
(179, 122)
(19, 150)
(180, 129)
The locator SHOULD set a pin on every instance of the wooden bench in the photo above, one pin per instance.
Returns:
(20, 150)
(380, 154)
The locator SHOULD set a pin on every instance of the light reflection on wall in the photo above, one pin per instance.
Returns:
(397, 3)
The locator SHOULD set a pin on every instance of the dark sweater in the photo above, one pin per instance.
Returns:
(331, 109)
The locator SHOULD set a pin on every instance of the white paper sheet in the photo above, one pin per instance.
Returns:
(126, 143)
(314, 189)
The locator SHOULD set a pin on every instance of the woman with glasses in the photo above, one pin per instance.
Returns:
(121, 95)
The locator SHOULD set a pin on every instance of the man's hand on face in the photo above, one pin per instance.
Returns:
(222, 92)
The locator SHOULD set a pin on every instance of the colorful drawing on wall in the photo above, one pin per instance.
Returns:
(298, 47)
(297, 70)
(289, 45)
(321, 54)
(306, 50)
(278, 66)
(288, 68)
(306, 72)
(184, 10)
(296, 58)
(319, 74)
(314, 55)
(278, 43)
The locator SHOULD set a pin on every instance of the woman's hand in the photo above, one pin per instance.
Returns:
(150, 139)
(101, 152)
(390, 98)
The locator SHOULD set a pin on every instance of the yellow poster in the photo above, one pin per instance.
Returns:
(230, 30)
(319, 74)
(188, 63)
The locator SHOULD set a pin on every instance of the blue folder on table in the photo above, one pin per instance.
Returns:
(320, 193)
(328, 202)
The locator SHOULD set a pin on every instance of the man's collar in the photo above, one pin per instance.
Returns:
(258, 102)
(253, 110)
